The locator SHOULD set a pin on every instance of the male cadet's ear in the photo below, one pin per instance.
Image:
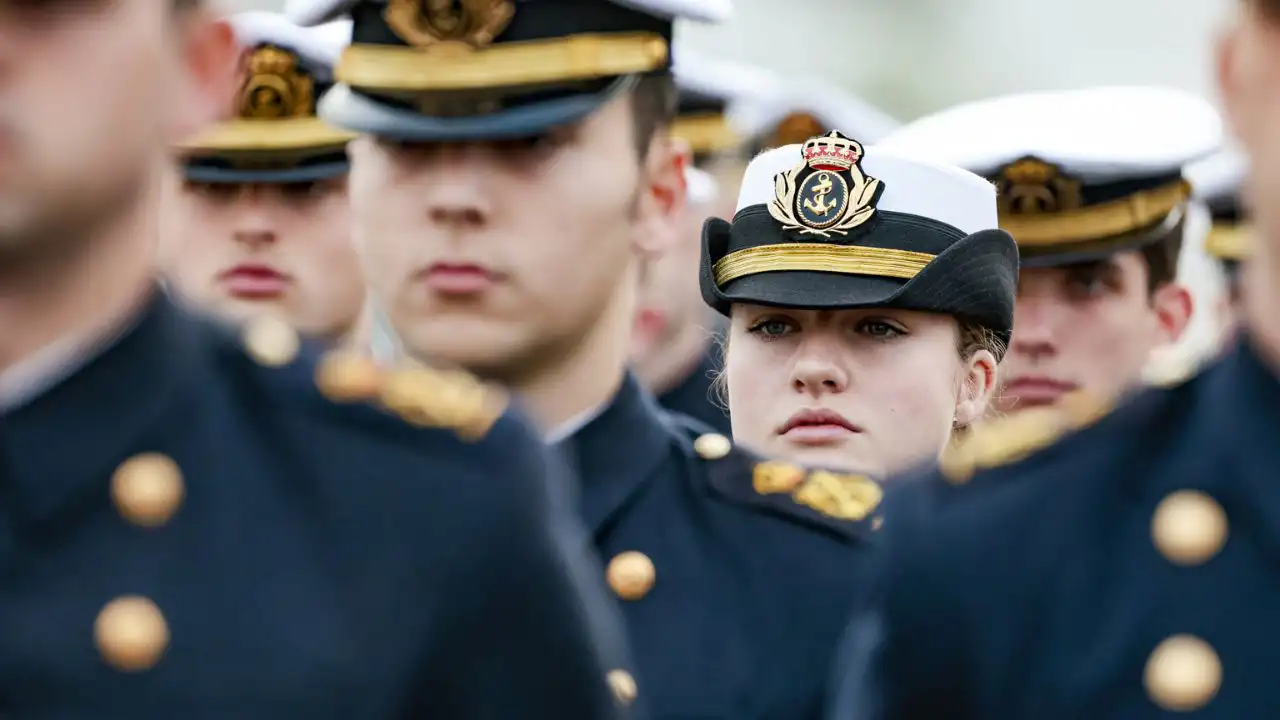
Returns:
(211, 71)
(1173, 305)
(664, 197)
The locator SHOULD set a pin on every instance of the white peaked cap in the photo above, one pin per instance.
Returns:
(942, 192)
(1098, 135)
(321, 45)
(771, 98)
(314, 12)
(1219, 175)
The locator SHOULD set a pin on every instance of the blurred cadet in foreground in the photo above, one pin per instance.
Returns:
(255, 215)
(196, 521)
(1129, 569)
(1091, 188)
(1217, 182)
(508, 206)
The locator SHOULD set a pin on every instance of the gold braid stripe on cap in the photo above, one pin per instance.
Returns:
(705, 132)
(1228, 241)
(276, 135)
(1096, 222)
(392, 68)
(821, 257)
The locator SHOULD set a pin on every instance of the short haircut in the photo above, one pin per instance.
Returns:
(653, 107)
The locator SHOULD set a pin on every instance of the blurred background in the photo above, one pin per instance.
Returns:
(914, 56)
(911, 57)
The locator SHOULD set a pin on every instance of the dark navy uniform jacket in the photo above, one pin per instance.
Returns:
(1130, 571)
(734, 586)
(325, 560)
(693, 396)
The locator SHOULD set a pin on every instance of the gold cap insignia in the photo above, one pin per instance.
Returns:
(466, 23)
(1033, 187)
(795, 128)
(275, 88)
(827, 192)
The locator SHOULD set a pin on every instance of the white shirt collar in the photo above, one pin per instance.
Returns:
(571, 427)
(43, 371)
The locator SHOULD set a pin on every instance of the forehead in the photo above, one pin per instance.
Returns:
(1128, 264)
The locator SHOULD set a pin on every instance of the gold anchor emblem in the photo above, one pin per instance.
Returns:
(818, 204)
(827, 192)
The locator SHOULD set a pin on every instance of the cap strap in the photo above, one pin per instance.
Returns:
(393, 68)
(1096, 222)
(821, 257)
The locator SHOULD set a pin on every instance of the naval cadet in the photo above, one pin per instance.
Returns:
(515, 174)
(677, 343)
(870, 298)
(1129, 569)
(1217, 181)
(196, 521)
(1090, 185)
(255, 217)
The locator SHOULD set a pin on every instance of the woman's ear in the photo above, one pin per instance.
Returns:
(976, 387)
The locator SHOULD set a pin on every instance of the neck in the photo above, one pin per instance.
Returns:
(679, 356)
(1261, 297)
(590, 376)
(89, 289)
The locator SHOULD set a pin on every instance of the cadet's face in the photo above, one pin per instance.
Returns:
(502, 257)
(1087, 327)
(1249, 79)
(91, 92)
(670, 300)
(872, 391)
(285, 249)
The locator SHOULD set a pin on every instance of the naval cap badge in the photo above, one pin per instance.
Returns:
(827, 192)
(275, 88)
(458, 23)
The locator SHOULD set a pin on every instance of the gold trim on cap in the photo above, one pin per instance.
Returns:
(705, 132)
(1229, 241)
(1096, 222)
(393, 68)
(821, 257)
(248, 136)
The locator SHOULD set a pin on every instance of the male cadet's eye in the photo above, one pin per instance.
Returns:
(214, 192)
(302, 191)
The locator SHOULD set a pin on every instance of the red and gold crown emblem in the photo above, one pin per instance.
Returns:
(832, 151)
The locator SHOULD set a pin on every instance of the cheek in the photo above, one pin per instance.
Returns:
(756, 377)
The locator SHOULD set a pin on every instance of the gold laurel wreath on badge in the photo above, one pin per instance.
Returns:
(275, 87)
(834, 196)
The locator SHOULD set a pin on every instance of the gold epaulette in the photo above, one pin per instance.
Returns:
(1006, 440)
(838, 495)
(448, 399)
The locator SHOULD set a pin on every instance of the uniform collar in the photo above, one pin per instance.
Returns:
(615, 452)
(30, 378)
(72, 436)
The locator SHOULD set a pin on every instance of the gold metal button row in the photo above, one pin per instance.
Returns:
(131, 633)
(1189, 527)
(631, 575)
(147, 489)
(712, 446)
(1183, 674)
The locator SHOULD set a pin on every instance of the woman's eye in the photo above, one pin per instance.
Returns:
(879, 328)
(771, 327)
